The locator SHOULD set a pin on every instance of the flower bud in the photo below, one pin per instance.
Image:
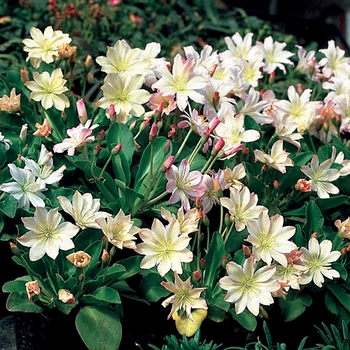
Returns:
(211, 126)
(82, 114)
(100, 136)
(97, 150)
(223, 261)
(111, 113)
(88, 62)
(116, 149)
(14, 249)
(303, 185)
(105, 258)
(246, 251)
(166, 148)
(79, 259)
(65, 296)
(23, 132)
(32, 289)
(24, 75)
(218, 146)
(168, 163)
(197, 275)
(153, 134)
(202, 264)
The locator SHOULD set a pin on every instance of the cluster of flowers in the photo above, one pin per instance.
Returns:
(213, 98)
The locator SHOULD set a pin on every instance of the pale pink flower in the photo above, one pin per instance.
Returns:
(184, 184)
(78, 136)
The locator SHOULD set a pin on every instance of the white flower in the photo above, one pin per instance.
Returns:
(185, 296)
(242, 206)
(83, 209)
(275, 55)
(43, 169)
(120, 230)
(321, 176)
(270, 239)
(318, 259)
(164, 247)
(6, 142)
(247, 288)
(25, 189)
(47, 234)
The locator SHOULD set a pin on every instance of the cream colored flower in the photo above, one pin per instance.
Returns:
(164, 247)
(48, 89)
(231, 176)
(124, 92)
(120, 230)
(47, 234)
(242, 206)
(122, 58)
(44, 46)
(247, 288)
(185, 296)
(83, 209)
(270, 239)
(278, 159)
(232, 131)
(318, 259)
(10, 103)
(188, 221)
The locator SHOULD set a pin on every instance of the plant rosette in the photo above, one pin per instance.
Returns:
(215, 184)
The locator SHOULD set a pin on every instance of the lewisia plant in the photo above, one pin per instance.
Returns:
(213, 183)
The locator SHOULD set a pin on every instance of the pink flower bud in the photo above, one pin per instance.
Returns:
(212, 125)
(111, 113)
(166, 148)
(153, 133)
(116, 149)
(82, 114)
(100, 136)
(218, 146)
(168, 163)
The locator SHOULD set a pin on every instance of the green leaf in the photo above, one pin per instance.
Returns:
(107, 294)
(330, 203)
(99, 328)
(18, 285)
(213, 259)
(294, 305)
(9, 206)
(18, 301)
(314, 219)
(142, 180)
(245, 319)
(216, 314)
(341, 294)
(151, 289)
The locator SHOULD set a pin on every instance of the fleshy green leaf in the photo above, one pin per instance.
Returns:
(18, 301)
(106, 326)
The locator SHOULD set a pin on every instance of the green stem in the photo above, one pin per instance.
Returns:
(184, 141)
